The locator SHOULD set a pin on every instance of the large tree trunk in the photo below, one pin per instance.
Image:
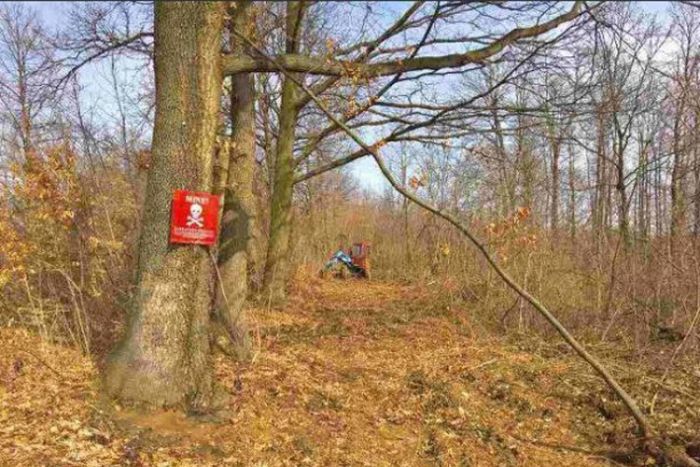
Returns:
(164, 359)
(277, 265)
(238, 247)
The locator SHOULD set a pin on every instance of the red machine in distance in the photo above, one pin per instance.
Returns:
(354, 261)
(360, 257)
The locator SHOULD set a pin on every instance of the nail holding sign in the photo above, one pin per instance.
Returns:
(195, 218)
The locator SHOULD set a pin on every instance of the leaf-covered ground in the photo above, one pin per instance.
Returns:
(349, 373)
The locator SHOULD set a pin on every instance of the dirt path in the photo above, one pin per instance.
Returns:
(349, 373)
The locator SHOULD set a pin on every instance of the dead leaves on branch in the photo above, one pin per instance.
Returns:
(512, 234)
(354, 78)
(416, 182)
(64, 245)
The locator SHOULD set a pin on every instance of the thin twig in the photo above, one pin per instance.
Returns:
(481, 365)
(40, 360)
(607, 455)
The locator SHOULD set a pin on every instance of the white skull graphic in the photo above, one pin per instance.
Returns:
(195, 217)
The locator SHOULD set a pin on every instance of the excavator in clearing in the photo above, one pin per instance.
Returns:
(351, 263)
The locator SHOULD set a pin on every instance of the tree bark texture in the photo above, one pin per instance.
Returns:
(238, 246)
(164, 359)
(278, 250)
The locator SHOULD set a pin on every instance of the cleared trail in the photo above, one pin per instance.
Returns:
(348, 373)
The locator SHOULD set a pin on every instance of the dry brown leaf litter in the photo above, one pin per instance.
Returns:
(349, 373)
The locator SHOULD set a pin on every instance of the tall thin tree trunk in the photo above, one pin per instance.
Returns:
(623, 203)
(605, 200)
(572, 195)
(404, 210)
(278, 250)
(696, 173)
(277, 265)
(238, 245)
(677, 175)
(659, 196)
(619, 146)
(599, 204)
(506, 200)
(25, 119)
(164, 359)
(554, 207)
(639, 207)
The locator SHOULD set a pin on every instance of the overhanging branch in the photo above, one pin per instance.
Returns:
(297, 63)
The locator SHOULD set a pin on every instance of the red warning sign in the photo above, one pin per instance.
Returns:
(195, 218)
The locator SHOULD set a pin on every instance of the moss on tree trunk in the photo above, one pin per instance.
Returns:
(164, 358)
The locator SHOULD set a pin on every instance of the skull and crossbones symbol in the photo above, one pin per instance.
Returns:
(195, 216)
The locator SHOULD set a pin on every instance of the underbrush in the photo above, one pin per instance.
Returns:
(642, 295)
(67, 253)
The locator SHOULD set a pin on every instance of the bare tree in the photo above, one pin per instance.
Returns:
(27, 67)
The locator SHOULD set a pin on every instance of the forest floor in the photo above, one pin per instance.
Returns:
(348, 373)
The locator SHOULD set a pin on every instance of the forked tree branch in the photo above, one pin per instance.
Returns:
(322, 66)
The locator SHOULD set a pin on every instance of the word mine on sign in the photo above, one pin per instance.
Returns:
(195, 218)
